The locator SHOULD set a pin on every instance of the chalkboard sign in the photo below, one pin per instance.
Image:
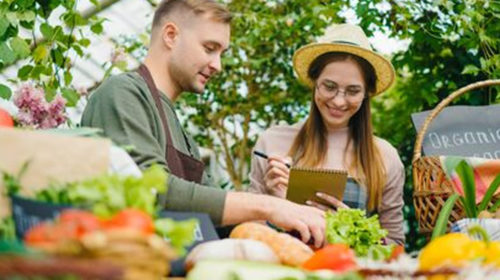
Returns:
(470, 131)
(28, 212)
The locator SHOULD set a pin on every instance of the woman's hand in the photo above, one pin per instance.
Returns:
(330, 203)
(277, 175)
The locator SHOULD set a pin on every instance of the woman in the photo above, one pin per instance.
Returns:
(343, 73)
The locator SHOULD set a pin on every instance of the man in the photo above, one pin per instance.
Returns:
(188, 38)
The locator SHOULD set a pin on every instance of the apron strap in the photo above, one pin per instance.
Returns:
(146, 75)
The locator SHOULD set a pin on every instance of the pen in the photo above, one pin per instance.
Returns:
(262, 155)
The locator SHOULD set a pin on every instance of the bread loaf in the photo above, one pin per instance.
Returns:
(231, 249)
(290, 250)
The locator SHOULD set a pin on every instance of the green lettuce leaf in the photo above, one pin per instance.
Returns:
(180, 233)
(353, 228)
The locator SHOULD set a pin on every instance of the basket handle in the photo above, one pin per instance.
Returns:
(417, 150)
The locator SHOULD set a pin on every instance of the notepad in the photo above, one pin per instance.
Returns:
(304, 183)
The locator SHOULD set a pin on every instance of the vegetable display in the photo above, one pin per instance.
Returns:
(109, 193)
(5, 119)
(336, 257)
(364, 235)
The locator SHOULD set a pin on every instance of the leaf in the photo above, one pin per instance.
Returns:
(470, 69)
(12, 18)
(40, 53)
(489, 194)
(24, 72)
(27, 16)
(58, 57)
(97, 28)
(20, 47)
(71, 96)
(6, 54)
(69, 4)
(466, 175)
(50, 93)
(37, 70)
(72, 18)
(84, 42)
(444, 216)
(24, 4)
(67, 78)
(179, 233)
(122, 65)
(4, 24)
(78, 50)
(46, 30)
(5, 92)
(495, 206)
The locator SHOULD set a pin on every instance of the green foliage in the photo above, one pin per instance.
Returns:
(362, 234)
(466, 175)
(257, 87)
(180, 233)
(12, 182)
(444, 216)
(468, 199)
(48, 62)
(451, 44)
(5, 92)
(107, 194)
(7, 231)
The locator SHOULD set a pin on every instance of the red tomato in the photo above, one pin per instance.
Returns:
(398, 250)
(82, 221)
(37, 234)
(132, 218)
(337, 257)
(46, 233)
(5, 119)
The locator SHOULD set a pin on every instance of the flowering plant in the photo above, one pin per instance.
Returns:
(36, 111)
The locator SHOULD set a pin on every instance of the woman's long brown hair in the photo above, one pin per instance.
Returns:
(310, 145)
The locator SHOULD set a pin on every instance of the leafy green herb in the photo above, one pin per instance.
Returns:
(180, 233)
(107, 194)
(7, 229)
(11, 182)
(352, 227)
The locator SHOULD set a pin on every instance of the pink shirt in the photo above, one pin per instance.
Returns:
(277, 140)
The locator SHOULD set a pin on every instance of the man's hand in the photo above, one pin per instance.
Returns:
(308, 221)
(244, 207)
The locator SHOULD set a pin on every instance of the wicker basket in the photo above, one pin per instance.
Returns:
(431, 186)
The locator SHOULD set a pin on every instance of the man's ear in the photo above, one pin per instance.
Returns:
(169, 34)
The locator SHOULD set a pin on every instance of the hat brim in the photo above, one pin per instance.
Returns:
(304, 56)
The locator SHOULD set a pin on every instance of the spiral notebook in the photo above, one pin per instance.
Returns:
(304, 183)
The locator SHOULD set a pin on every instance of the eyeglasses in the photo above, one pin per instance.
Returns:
(351, 94)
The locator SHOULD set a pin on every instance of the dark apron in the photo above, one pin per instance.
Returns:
(181, 165)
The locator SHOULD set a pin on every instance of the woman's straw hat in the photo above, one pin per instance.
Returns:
(344, 38)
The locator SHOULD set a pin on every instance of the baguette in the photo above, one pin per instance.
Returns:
(289, 250)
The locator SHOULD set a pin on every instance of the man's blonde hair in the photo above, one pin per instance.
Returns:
(213, 9)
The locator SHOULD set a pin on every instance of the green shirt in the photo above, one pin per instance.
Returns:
(125, 109)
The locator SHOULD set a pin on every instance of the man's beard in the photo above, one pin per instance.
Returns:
(185, 81)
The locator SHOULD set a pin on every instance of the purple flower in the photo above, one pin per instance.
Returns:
(34, 110)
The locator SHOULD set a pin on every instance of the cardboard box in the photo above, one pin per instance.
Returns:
(51, 157)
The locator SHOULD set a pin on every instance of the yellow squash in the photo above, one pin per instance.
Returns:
(454, 249)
